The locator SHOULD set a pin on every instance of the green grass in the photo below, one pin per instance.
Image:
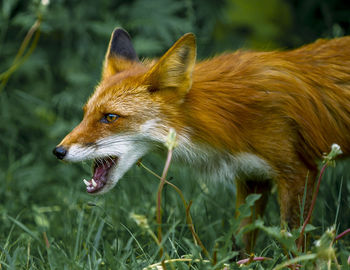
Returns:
(87, 232)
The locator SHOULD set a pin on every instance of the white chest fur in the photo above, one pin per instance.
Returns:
(218, 166)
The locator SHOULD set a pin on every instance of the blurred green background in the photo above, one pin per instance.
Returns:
(41, 101)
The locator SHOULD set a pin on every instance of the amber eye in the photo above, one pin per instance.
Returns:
(109, 118)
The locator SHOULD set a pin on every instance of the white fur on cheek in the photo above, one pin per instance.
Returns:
(128, 148)
(133, 152)
(155, 130)
(78, 152)
(149, 125)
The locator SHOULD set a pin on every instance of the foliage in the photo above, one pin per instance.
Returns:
(47, 221)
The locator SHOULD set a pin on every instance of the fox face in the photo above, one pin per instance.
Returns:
(131, 110)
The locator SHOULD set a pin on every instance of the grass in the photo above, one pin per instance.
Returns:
(53, 224)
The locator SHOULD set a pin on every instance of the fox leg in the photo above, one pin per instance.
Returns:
(290, 194)
(244, 188)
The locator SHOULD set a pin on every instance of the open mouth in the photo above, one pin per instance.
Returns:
(101, 169)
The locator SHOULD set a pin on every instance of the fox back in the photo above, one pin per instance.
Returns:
(257, 117)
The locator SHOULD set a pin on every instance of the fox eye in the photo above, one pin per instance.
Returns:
(109, 118)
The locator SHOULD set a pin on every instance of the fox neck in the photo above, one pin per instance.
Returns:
(211, 114)
(214, 119)
(214, 148)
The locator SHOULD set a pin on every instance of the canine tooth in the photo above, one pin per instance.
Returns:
(93, 183)
(86, 183)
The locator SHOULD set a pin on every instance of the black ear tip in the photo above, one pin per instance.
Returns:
(120, 33)
(121, 45)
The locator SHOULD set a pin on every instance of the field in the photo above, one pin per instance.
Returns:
(50, 61)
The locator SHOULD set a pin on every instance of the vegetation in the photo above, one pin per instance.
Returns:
(50, 61)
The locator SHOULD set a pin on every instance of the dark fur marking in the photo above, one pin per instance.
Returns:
(121, 45)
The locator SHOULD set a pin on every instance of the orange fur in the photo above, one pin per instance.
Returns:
(286, 108)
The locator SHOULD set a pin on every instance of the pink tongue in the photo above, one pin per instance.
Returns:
(99, 172)
(102, 169)
(99, 178)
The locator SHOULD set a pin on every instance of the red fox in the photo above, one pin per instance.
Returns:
(257, 117)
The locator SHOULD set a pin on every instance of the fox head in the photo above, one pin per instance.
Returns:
(131, 110)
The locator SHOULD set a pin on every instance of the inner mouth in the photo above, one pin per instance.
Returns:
(101, 169)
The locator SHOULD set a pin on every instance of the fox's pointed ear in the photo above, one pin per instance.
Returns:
(120, 45)
(120, 53)
(173, 72)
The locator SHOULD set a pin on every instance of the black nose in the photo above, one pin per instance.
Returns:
(59, 152)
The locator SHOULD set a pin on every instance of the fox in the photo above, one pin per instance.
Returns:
(261, 119)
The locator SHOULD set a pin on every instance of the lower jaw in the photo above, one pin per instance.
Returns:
(96, 186)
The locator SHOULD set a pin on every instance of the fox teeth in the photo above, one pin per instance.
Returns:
(93, 183)
(86, 183)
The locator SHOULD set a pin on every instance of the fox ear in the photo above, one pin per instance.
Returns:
(173, 72)
(120, 45)
(120, 53)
